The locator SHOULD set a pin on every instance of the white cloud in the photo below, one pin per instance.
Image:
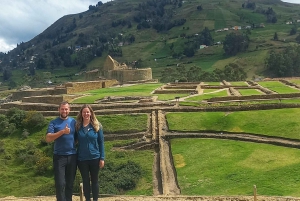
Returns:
(292, 1)
(22, 20)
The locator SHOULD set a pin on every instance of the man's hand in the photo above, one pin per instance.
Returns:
(66, 129)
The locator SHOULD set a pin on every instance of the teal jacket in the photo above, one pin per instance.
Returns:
(90, 143)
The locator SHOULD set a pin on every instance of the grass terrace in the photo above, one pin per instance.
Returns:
(166, 97)
(249, 92)
(238, 83)
(278, 87)
(264, 122)
(208, 96)
(225, 167)
(131, 90)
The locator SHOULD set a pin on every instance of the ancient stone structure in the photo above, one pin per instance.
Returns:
(121, 72)
(60, 91)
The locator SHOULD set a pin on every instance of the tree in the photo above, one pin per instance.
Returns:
(193, 74)
(275, 37)
(235, 43)
(199, 8)
(189, 51)
(32, 70)
(298, 39)
(207, 38)
(234, 72)
(293, 31)
(91, 7)
(67, 60)
(285, 63)
(41, 63)
(168, 75)
(6, 74)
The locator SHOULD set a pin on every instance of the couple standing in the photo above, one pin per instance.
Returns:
(87, 133)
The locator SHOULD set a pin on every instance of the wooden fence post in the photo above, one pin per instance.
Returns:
(81, 191)
(254, 192)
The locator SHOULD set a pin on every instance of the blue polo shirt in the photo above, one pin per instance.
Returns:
(65, 144)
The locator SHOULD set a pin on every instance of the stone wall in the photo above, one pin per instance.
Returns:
(176, 91)
(51, 99)
(68, 88)
(18, 95)
(121, 72)
(75, 87)
(254, 97)
(127, 75)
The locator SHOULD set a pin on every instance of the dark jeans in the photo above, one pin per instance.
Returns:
(65, 167)
(89, 171)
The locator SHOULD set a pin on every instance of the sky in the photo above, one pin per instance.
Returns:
(22, 20)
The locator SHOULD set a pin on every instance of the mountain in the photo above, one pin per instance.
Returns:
(161, 34)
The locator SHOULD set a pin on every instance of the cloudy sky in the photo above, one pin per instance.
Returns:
(22, 20)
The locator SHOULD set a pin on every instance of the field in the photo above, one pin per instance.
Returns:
(217, 160)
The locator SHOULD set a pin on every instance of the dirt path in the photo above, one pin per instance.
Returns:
(161, 198)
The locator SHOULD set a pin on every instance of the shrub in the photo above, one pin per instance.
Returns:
(43, 141)
(25, 133)
(46, 189)
(43, 164)
(16, 116)
(119, 178)
(28, 155)
(7, 157)
(33, 119)
(2, 150)
(6, 127)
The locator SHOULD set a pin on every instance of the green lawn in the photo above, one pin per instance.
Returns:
(295, 81)
(131, 123)
(132, 90)
(278, 87)
(265, 122)
(166, 97)
(238, 83)
(225, 167)
(249, 92)
(208, 96)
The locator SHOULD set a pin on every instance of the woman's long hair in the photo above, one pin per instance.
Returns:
(94, 121)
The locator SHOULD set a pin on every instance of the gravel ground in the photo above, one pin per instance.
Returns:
(161, 198)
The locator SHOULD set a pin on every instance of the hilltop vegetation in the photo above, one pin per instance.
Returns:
(159, 34)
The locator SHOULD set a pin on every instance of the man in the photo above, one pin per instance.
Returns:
(62, 131)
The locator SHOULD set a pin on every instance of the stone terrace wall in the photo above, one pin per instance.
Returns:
(68, 88)
(75, 87)
(18, 95)
(254, 97)
(51, 99)
(176, 91)
(180, 86)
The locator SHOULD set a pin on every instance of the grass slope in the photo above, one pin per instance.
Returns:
(150, 44)
(224, 167)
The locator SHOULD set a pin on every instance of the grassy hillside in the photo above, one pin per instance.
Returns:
(153, 48)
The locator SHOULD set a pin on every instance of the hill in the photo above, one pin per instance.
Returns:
(157, 34)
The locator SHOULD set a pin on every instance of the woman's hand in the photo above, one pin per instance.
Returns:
(101, 163)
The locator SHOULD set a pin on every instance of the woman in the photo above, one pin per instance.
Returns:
(90, 150)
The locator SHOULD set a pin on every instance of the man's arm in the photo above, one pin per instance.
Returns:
(53, 136)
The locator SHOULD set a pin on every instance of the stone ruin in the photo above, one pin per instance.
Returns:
(124, 74)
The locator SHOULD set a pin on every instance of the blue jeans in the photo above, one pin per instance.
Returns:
(89, 171)
(65, 167)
